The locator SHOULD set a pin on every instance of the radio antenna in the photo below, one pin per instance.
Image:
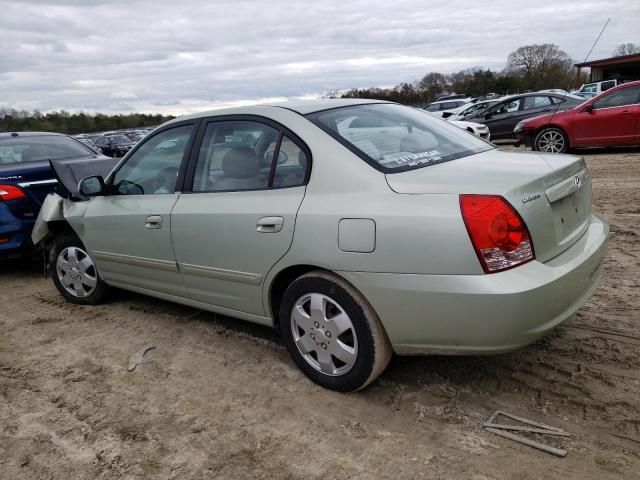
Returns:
(564, 96)
(596, 42)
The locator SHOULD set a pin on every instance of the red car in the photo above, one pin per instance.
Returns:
(610, 119)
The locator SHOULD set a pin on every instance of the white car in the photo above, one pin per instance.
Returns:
(478, 129)
(444, 108)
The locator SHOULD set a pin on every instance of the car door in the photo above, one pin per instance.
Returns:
(238, 219)
(128, 230)
(502, 118)
(611, 120)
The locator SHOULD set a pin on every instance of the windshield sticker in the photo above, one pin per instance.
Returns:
(421, 158)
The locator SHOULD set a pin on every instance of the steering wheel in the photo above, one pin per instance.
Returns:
(165, 180)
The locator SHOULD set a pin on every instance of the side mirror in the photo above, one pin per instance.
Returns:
(487, 115)
(587, 108)
(92, 186)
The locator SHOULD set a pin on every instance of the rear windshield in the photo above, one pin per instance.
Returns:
(45, 147)
(395, 138)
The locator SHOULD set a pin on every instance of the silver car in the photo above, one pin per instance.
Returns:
(356, 228)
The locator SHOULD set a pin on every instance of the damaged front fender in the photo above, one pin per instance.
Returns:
(55, 209)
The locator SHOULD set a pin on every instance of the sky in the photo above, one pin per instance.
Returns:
(177, 57)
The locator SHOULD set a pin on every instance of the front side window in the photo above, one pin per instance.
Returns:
(619, 98)
(153, 168)
(410, 138)
(536, 102)
(25, 149)
(434, 107)
(607, 85)
(507, 107)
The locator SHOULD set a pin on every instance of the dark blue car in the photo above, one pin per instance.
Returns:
(27, 177)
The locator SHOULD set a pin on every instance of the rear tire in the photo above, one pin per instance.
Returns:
(332, 333)
(551, 140)
(74, 273)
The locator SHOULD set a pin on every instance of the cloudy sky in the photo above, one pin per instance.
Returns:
(181, 56)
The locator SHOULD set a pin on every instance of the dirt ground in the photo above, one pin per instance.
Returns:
(219, 398)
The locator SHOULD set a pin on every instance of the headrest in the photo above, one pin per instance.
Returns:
(241, 162)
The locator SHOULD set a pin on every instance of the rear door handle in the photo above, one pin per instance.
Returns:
(270, 224)
(153, 222)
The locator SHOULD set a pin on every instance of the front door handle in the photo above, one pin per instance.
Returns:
(153, 222)
(270, 224)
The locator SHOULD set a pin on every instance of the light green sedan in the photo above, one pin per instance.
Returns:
(356, 228)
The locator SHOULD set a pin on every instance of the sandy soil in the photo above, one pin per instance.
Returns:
(218, 398)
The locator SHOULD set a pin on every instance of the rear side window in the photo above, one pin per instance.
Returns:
(239, 155)
(536, 102)
(410, 138)
(33, 149)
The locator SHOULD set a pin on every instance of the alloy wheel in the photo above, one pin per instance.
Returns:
(76, 272)
(324, 334)
(551, 141)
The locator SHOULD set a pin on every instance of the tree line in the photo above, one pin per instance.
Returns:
(71, 123)
(528, 68)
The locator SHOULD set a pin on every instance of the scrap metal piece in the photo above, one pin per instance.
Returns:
(137, 358)
(532, 443)
(523, 420)
(536, 427)
(520, 428)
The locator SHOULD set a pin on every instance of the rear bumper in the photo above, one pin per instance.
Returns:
(471, 314)
(16, 231)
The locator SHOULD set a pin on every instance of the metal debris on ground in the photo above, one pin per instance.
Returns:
(529, 427)
(138, 357)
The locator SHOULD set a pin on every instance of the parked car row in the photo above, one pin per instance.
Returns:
(611, 119)
(116, 143)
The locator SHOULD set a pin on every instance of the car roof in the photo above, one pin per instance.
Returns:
(303, 107)
(29, 134)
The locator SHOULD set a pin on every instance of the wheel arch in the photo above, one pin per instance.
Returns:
(287, 275)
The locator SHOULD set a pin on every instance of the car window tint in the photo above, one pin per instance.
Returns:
(153, 168)
(291, 168)
(607, 85)
(235, 155)
(536, 102)
(619, 98)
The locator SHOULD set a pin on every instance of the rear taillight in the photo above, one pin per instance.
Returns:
(11, 192)
(498, 234)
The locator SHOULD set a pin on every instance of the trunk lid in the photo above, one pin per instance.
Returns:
(552, 193)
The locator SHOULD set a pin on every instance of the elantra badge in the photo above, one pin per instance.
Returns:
(531, 197)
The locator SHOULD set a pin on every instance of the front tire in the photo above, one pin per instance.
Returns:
(551, 140)
(332, 333)
(74, 273)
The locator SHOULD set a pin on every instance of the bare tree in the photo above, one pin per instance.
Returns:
(541, 66)
(626, 49)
